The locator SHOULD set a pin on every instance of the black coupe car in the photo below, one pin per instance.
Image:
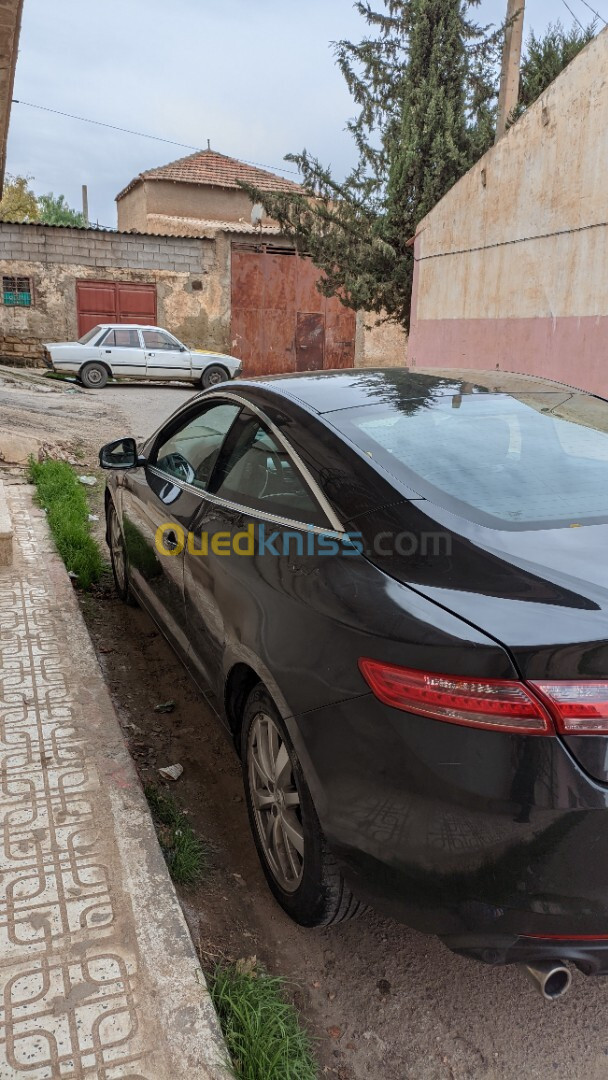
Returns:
(396, 584)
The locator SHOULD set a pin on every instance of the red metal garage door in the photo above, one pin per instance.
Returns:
(280, 322)
(114, 301)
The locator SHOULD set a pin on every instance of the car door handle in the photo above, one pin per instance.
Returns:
(170, 540)
(150, 354)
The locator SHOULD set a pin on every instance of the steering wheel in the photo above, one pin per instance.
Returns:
(275, 460)
(178, 466)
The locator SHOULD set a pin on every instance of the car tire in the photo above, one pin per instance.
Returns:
(308, 885)
(213, 376)
(94, 376)
(118, 558)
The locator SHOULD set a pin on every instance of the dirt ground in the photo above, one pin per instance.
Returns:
(383, 1001)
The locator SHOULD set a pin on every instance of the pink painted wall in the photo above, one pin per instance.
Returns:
(572, 350)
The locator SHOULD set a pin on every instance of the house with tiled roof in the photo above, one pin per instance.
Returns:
(263, 294)
(260, 292)
(198, 195)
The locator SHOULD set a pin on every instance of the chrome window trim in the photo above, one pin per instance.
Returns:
(206, 496)
(305, 473)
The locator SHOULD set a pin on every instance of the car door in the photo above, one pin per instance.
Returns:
(122, 349)
(166, 357)
(259, 535)
(159, 503)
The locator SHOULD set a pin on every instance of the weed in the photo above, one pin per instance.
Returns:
(184, 853)
(61, 495)
(263, 1031)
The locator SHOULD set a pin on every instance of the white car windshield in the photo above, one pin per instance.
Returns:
(90, 334)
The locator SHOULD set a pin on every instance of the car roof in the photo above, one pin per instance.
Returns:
(127, 326)
(328, 391)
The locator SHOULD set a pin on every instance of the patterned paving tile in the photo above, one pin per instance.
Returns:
(69, 989)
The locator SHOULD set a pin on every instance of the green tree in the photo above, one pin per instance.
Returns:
(18, 201)
(424, 86)
(54, 210)
(546, 57)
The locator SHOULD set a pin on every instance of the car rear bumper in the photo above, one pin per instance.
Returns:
(590, 955)
(475, 836)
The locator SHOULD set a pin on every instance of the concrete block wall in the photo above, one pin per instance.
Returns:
(91, 247)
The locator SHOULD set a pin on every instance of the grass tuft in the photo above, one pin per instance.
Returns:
(64, 499)
(263, 1031)
(184, 853)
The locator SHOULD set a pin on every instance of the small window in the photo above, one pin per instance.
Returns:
(191, 452)
(157, 340)
(17, 291)
(122, 339)
(258, 473)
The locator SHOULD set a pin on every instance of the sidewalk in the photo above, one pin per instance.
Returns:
(98, 974)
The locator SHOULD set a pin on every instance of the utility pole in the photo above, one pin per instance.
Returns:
(511, 65)
(85, 204)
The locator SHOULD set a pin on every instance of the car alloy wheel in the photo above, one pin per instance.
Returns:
(118, 556)
(276, 802)
(117, 550)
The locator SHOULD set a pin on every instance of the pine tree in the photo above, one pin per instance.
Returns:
(425, 81)
(546, 57)
(421, 83)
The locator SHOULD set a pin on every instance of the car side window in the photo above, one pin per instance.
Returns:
(156, 339)
(258, 473)
(121, 338)
(190, 452)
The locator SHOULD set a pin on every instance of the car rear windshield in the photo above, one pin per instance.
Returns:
(90, 334)
(526, 461)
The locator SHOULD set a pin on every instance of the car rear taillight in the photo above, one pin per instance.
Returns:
(493, 704)
(578, 708)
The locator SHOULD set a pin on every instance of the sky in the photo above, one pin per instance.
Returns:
(255, 77)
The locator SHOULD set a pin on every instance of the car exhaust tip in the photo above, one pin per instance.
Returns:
(552, 980)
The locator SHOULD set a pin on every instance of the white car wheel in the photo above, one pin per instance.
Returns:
(94, 376)
(213, 376)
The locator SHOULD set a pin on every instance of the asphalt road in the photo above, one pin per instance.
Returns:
(386, 1003)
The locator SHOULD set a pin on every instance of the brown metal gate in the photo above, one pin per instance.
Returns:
(114, 302)
(280, 322)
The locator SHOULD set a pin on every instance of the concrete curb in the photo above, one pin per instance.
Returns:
(128, 997)
(6, 531)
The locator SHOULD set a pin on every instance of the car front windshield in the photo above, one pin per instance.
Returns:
(90, 334)
(536, 460)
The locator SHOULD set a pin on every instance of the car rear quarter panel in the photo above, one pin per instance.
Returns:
(456, 830)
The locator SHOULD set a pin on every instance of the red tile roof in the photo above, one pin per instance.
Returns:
(209, 167)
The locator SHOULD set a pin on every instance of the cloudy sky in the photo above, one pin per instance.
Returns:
(256, 77)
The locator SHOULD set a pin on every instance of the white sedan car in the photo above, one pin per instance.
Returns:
(120, 351)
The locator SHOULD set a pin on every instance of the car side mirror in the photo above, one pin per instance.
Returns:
(120, 454)
(183, 348)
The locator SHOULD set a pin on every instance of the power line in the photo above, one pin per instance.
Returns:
(594, 12)
(515, 240)
(142, 134)
(573, 15)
